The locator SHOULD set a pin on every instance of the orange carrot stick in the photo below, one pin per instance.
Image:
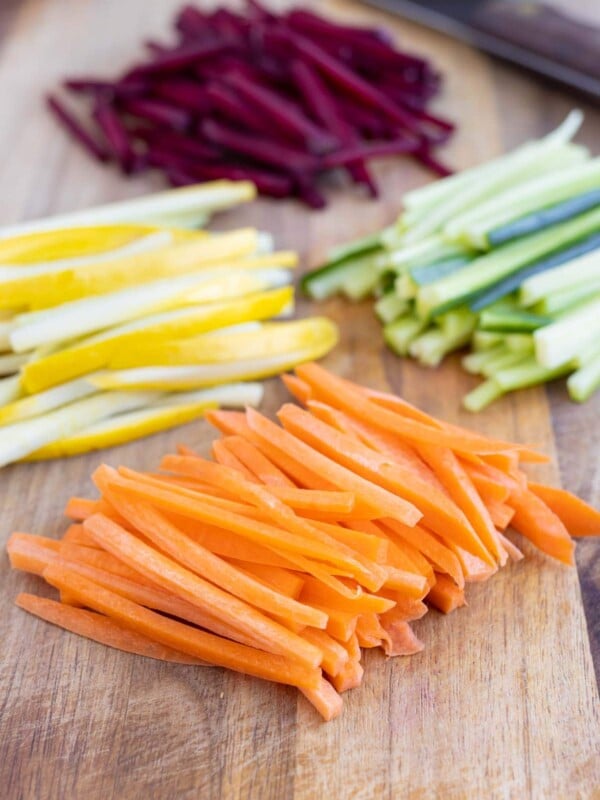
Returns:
(345, 395)
(150, 595)
(314, 592)
(224, 456)
(282, 580)
(80, 508)
(31, 553)
(445, 595)
(401, 407)
(500, 513)
(96, 557)
(377, 439)
(318, 544)
(259, 532)
(538, 523)
(325, 699)
(340, 624)
(402, 639)
(172, 576)
(178, 636)
(101, 629)
(257, 463)
(370, 633)
(474, 569)
(511, 548)
(297, 388)
(351, 675)
(427, 544)
(439, 512)
(450, 472)
(229, 546)
(371, 547)
(170, 540)
(75, 534)
(578, 517)
(488, 489)
(334, 654)
(382, 501)
(406, 609)
(406, 581)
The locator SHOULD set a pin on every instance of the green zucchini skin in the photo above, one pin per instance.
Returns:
(544, 218)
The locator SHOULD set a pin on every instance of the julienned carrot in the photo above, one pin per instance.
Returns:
(450, 472)
(325, 699)
(204, 511)
(439, 513)
(344, 395)
(445, 595)
(334, 654)
(405, 609)
(335, 418)
(227, 542)
(170, 575)
(384, 502)
(511, 548)
(282, 580)
(234, 422)
(340, 624)
(404, 556)
(30, 553)
(96, 557)
(579, 518)
(295, 528)
(206, 646)
(474, 569)
(500, 513)
(297, 388)
(168, 538)
(492, 475)
(377, 439)
(318, 544)
(101, 629)
(488, 489)
(80, 508)
(152, 596)
(534, 520)
(314, 592)
(227, 452)
(401, 407)
(223, 455)
(257, 463)
(406, 581)
(402, 638)
(371, 547)
(427, 544)
(370, 633)
(230, 546)
(351, 674)
(506, 461)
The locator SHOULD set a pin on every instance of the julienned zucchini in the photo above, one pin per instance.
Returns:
(505, 257)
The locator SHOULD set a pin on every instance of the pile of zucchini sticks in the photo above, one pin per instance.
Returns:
(504, 257)
(124, 320)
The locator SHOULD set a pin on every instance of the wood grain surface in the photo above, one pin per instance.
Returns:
(501, 704)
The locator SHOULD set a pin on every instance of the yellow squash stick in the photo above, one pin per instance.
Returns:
(49, 289)
(95, 352)
(270, 339)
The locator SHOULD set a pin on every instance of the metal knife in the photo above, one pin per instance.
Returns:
(532, 35)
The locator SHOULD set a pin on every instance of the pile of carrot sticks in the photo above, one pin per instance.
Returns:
(299, 545)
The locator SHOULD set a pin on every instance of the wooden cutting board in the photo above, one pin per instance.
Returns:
(501, 704)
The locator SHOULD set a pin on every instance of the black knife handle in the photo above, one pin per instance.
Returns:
(544, 30)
